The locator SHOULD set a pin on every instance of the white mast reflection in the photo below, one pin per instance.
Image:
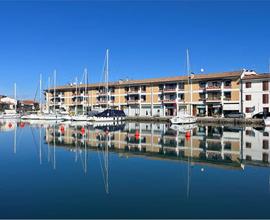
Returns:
(15, 139)
(54, 143)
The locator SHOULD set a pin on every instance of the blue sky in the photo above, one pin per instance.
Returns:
(145, 38)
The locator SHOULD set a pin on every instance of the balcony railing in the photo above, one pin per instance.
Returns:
(133, 91)
(134, 101)
(213, 99)
(227, 87)
(227, 98)
(169, 101)
(212, 87)
(169, 89)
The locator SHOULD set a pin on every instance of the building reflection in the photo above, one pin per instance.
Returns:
(227, 147)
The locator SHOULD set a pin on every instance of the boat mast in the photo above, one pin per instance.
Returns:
(54, 90)
(107, 77)
(15, 96)
(40, 88)
(48, 98)
(76, 97)
(189, 80)
(85, 92)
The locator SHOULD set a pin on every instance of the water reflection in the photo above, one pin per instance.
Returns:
(222, 146)
(209, 154)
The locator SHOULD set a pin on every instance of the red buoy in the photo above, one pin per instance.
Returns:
(82, 130)
(188, 134)
(9, 125)
(22, 124)
(62, 129)
(137, 134)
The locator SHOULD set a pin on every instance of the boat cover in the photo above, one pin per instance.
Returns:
(111, 113)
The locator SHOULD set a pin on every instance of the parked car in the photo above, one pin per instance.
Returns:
(235, 115)
(261, 115)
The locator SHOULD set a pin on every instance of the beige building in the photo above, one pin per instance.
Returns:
(202, 94)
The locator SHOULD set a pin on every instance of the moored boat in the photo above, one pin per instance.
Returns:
(183, 118)
(266, 121)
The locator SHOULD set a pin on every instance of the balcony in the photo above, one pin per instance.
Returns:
(214, 99)
(133, 101)
(133, 91)
(169, 90)
(213, 87)
(202, 99)
(169, 101)
(103, 101)
(227, 99)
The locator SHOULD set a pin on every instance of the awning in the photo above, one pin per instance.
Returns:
(229, 107)
(201, 106)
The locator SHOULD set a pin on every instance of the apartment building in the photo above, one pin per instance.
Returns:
(255, 93)
(212, 94)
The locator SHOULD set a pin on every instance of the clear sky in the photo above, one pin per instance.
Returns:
(145, 38)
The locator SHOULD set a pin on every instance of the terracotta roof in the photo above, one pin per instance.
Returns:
(257, 76)
(28, 102)
(211, 76)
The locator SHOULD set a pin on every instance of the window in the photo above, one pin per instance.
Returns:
(143, 88)
(265, 86)
(112, 89)
(265, 157)
(266, 134)
(266, 110)
(265, 144)
(227, 95)
(143, 98)
(227, 83)
(265, 98)
(250, 133)
(248, 84)
(248, 97)
(248, 145)
(201, 96)
(181, 97)
(160, 87)
(248, 157)
(181, 86)
(227, 145)
(202, 84)
(249, 109)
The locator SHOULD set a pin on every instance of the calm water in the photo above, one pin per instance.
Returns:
(133, 171)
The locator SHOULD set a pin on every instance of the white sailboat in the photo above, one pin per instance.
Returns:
(84, 116)
(184, 117)
(41, 115)
(109, 115)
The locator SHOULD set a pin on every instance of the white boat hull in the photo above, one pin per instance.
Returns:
(183, 119)
(108, 119)
(267, 121)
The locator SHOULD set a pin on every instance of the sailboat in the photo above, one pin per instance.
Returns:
(184, 117)
(108, 115)
(84, 116)
(41, 115)
(11, 114)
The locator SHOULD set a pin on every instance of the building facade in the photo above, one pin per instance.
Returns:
(201, 95)
(255, 93)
